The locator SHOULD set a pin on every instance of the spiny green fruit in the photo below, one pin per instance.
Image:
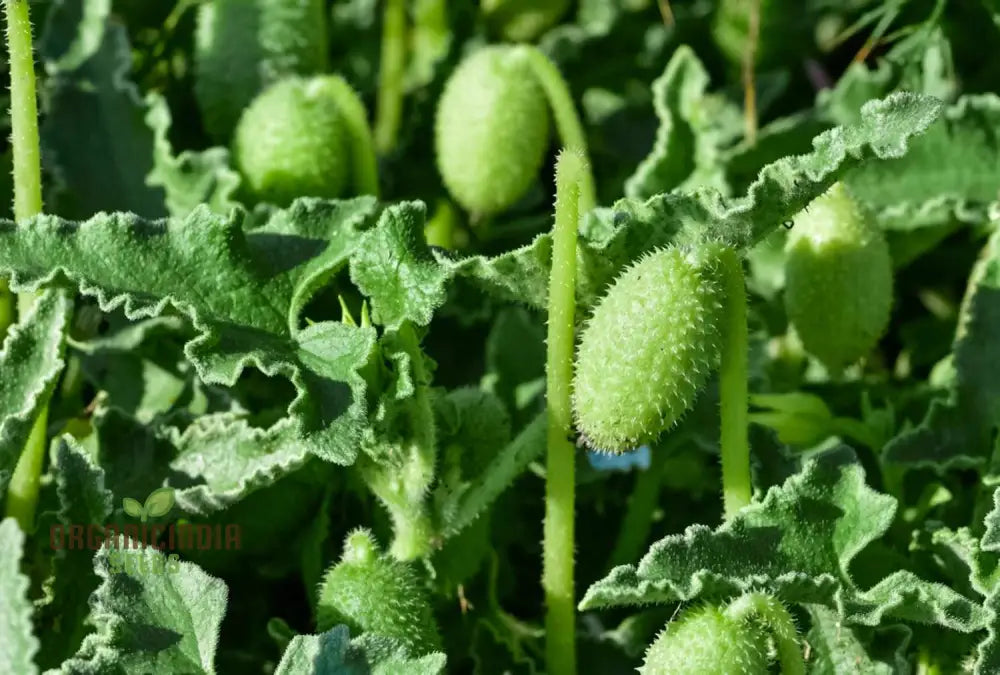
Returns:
(838, 279)
(523, 20)
(241, 46)
(293, 141)
(649, 347)
(706, 641)
(492, 129)
(371, 592)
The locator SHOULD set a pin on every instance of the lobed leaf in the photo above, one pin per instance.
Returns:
(687, 142)
(151, 615)
(957, 431)
(796, 543)
(335, 652)
(243, 291)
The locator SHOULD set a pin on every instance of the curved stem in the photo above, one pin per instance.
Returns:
(642, 502)
(778, 621)
(363, 160)
(734, 400)
(392, 65)
(560, 479)
(22, 492)
(568, 124)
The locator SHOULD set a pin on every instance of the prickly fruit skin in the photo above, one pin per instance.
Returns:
(374, 593)
(838, 280)
(649, 348)
(292, 142)
(241, 46)
(704, 641)
(523, 20)
(492, 130)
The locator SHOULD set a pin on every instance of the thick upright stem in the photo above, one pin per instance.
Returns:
(571, 132)
(557, 575)
(23, 112)
(389, 105)
(22, 492)
(733, 392)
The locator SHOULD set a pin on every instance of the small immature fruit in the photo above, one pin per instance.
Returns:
(375, 593)
(241, 46)
(838, 280)
(292, 141)
(492, 129)
(706, 641)
(649, 347)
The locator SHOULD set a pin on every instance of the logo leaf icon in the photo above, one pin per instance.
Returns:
(159, 502)
(132, 507)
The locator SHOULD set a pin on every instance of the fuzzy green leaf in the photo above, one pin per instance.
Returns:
(611, 238)
(951, 170)
(957, 430)
(335, 653)
(686, 148)
(796, 543)
(83, 501)
(242, 290)
(30, 361)
(18, 646)
(94, 135)
(837, 649)
(189, 178)
(152, 615)
(395, 269)
(463, 503)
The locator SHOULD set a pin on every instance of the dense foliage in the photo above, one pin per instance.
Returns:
(298, 376)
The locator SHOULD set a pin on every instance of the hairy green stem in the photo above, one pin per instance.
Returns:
(571, 132)
(22, 492)
(363, 160)
(403, 482)
(392, 66)
(779, 622)
(560, 481)
(6, 309)
(733, 394)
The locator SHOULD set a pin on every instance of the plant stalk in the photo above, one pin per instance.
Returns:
(22, 492)
(733, 391)
(571, 132)
(560, 482)
(392, 66)
(749, 64)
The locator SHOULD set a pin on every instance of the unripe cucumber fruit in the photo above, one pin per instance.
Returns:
(705, 641)
(523, 20)
(838, 279)
(492, 129)
(292, 141)
(241, 46)
(374, 593)
(649, 347)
